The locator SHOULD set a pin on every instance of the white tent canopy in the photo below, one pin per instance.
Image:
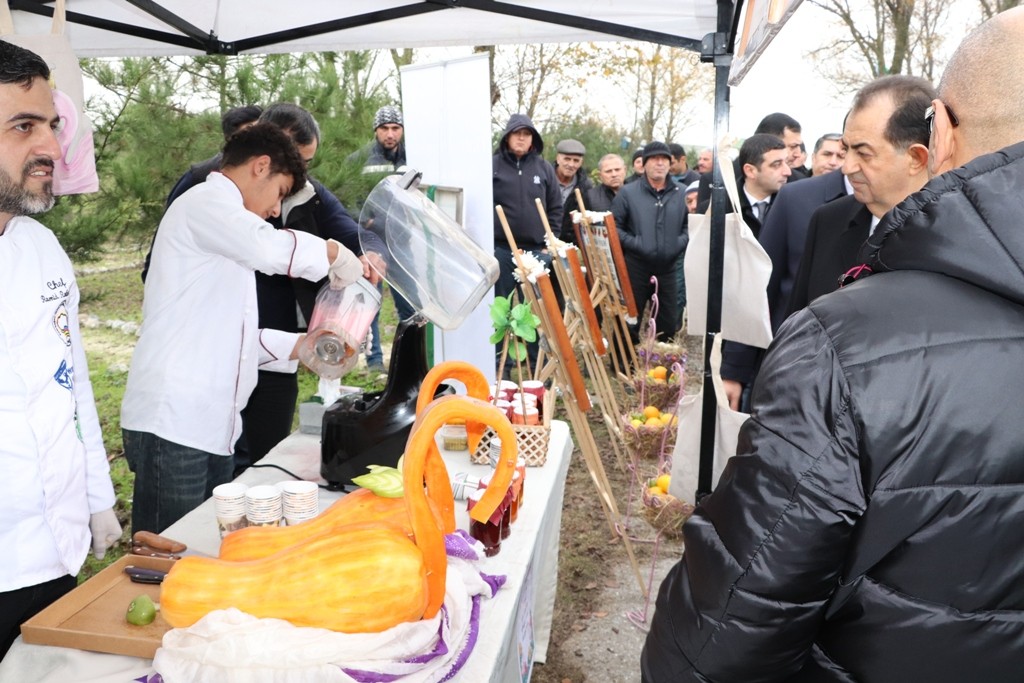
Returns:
(112, 28)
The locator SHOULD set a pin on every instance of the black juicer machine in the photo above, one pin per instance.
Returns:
(443, 274)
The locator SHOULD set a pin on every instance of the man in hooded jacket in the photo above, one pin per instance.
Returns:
(870, 526)
(520, 177)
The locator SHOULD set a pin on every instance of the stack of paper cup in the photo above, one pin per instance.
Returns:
(506, 388)
(229, 506)
(300, 500)
(494, 454)
(263, 506)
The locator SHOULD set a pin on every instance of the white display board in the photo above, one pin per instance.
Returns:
(447, 112)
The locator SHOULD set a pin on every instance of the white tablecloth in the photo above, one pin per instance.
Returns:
(514, 622)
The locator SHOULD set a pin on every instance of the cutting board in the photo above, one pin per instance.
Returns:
(91, 617)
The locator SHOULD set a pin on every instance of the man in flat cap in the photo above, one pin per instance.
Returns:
(569, 168)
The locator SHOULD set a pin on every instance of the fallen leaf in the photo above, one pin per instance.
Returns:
(579, 626)
(611, 583)
(591, 586)
(600, 615)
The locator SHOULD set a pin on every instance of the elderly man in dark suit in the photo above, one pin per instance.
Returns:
(887, 160)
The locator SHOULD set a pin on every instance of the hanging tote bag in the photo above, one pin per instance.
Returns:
(75, 171)
(747, 269)
(686, 455)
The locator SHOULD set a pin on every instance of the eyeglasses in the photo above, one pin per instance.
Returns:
(929, 116)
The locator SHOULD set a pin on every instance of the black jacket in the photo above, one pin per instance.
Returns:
(597, 198)
(518, 183)
(651, 224)
(871, 528)
(834, 240)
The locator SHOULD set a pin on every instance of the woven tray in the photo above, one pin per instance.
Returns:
(532, 439)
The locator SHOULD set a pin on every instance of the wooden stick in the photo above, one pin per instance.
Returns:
(620, 266)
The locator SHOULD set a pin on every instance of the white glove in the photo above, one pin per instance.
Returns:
(346, 268)
(106, 530)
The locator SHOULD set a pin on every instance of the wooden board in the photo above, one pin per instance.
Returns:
(91, 617)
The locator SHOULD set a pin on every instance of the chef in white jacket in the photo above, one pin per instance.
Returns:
(200, 345)
(55, 488)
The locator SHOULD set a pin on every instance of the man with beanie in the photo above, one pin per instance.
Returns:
(385, 154)
(650, 215)
(387, 151)
(520, 177)
(637, 162)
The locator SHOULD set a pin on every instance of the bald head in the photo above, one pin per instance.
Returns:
(983, 85)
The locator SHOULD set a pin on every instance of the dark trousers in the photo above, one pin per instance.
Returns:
(170, 479)
(267, 417)
(20, 605)
(666, 320)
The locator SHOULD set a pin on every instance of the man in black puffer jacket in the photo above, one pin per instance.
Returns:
(871, 526)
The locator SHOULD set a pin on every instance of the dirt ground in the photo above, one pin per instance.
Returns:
(601, 613)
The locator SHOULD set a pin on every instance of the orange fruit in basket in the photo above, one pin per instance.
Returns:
(653, 422)
(652, 411)
(659, 372)
(666, 418)
(663, 482)
(655, 491)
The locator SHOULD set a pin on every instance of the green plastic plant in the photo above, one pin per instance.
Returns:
(516, 325)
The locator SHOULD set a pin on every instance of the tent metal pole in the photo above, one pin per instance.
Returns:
(717, 48)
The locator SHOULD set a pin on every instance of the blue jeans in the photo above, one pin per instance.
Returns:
(170, 479)
(374, 354)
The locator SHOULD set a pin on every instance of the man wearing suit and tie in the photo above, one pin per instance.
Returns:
(763, 161)
(765, 171)
(887, 160)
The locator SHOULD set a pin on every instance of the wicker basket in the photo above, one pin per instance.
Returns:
(646, 443)
(532, 439)
(663, 395)
(665, 513)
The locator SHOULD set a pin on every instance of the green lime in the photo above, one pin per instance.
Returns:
(141, 611)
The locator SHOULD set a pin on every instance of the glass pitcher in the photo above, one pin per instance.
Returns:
(337, 329)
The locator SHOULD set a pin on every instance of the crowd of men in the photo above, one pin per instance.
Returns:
(868, 529)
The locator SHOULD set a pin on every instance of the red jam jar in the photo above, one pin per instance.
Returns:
(489, 532)
(517, 494)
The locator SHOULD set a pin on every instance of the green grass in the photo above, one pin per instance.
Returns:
(115, 294)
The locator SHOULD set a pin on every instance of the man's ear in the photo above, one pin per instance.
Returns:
(261, 166)
(944, 141)
(918, 154)
(749, 170)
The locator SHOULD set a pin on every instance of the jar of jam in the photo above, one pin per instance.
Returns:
(521, 469)
(517, 494)
(489, 532)
(453, 435)
(506, 513)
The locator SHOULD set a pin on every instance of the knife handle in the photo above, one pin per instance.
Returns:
(143, 575)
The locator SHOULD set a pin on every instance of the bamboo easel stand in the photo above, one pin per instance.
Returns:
(566, 373)
(606, 293)
(585, 332)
